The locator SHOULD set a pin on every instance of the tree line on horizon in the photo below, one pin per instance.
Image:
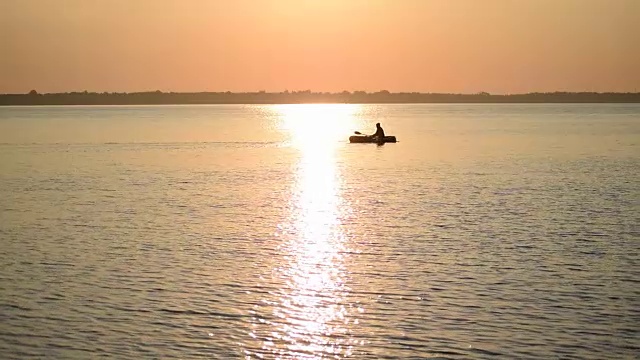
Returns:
(306, 96)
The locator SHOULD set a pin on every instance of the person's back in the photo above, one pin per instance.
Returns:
(379, 132)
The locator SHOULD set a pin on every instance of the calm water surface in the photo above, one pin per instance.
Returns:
(488, 231)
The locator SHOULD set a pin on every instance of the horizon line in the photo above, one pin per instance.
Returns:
(311, 92)
(305, 96)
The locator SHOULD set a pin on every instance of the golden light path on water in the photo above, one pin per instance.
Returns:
(311, 318)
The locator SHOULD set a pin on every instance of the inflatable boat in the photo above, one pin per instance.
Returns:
(368, 139)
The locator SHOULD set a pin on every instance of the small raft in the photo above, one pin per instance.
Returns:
(372, 140)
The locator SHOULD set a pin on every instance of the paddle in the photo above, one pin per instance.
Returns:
(359, 133)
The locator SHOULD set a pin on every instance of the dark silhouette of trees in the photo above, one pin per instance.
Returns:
(304, 96)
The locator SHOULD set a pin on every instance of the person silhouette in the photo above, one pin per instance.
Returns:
(379, 134)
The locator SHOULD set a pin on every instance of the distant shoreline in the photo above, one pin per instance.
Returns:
(304, 97)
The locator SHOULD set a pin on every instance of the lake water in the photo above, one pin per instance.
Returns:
(242, 231)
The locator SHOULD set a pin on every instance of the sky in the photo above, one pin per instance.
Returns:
(453, 46)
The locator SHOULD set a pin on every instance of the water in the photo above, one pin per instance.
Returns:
(258, 232)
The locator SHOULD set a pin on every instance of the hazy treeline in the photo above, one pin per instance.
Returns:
(286, 97)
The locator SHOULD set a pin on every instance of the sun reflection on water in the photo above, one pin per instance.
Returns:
(316, 128)
(310, 313)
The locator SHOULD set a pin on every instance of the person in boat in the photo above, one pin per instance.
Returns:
(379, 135)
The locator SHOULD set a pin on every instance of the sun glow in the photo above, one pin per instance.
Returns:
(318, 127)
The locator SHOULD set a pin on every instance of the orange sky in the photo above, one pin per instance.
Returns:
(499, 46)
